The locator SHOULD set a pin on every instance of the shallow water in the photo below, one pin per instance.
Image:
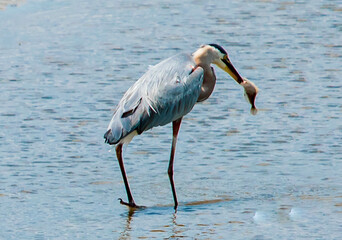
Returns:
(277, 175)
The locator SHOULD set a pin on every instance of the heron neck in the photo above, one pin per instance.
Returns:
(209, 81)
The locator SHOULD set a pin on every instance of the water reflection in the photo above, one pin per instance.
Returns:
(126, 233)
(173, 228)
(177, 229)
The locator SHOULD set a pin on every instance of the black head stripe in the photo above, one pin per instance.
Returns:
(218, 47)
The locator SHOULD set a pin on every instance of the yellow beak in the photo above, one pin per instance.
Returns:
(228, 67)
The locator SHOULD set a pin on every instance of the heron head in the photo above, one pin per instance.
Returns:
(221, 59)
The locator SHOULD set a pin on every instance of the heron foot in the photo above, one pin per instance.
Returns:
(130, 204)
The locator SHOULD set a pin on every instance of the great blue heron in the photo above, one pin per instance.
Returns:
(164, 94)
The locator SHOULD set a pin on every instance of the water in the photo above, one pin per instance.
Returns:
(277, 175)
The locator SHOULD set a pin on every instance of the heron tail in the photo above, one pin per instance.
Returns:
(109, 138)
(126, 123)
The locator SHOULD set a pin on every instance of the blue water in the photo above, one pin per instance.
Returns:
(277, 175)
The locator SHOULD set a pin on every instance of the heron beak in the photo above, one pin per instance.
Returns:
(228, 67)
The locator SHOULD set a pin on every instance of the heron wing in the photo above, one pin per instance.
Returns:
(166, 92)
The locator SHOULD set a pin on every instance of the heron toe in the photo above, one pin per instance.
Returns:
(130, 204)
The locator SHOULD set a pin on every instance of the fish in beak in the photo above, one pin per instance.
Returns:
(250, 89)
(250, 93)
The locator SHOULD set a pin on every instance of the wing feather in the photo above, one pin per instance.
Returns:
(166, 92)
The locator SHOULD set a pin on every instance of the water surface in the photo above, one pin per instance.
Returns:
(277, 175)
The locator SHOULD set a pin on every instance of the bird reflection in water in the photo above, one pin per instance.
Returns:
(175, 229)
(125, 234)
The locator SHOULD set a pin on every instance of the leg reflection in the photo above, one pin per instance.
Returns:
(177, 229)
(126, 233)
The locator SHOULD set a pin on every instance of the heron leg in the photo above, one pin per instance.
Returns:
(131, 202)
(175, 129)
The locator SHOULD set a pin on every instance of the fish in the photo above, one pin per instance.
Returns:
(250, 93)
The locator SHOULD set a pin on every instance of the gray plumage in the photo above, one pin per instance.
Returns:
(165, 93)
